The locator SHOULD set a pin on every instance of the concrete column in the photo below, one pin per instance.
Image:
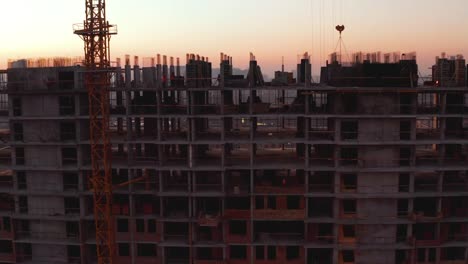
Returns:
(336, 183)
(443, 103)
(440, 177)
(137, 75)
(411, 183)
(338, 130)
(443, 127)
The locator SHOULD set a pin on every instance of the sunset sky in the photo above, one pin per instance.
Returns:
(268, 28)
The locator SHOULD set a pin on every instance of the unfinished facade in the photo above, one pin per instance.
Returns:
(239, 171)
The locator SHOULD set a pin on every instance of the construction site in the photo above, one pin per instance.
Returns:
(155, 163)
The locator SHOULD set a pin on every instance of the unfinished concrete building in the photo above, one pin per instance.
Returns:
(239, 171)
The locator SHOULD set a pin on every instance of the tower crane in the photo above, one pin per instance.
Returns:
(96, 33)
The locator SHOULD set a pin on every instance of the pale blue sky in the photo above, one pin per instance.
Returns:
(269, 28)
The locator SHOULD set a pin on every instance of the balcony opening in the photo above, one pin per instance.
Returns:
(74, 254)
(402, 233)
(176, 207)
(124, 249)
(453, 254)
(322, 181)
(349, 182)
(6, 247)
(428, 128)
(175, 181)
(209, 253)
(425, 232)
(66, 80)
(19, 155)
(72, 206)
(238, 227)
(455, 103)
(320, 255)
(453, 232)
(321, 129)
(265, 202)
(174, 155)
(403, 182)
(207, 128)
(122, 225)
(72, 229)
(177, 254)
(267, 181)
(405, 130)
(320, 207)
(206, 181)
(401, 256)
(69, 156)
(238, 203)
(236, 128)
(454, 128)
(319, 102)
(277, 128)
(70, 181)
(426, 182)
(238, 182)
(146, 250)
(348, 231)
(121, 205)
(174, 129)
(349, 208)
(140, 225)
(22, 180)
(18, 132)
(271, 202)
(208, 207)
(349, 156)
(67, 131)
(6, 223)
(350, 103)
(271, 252)
(426, 207)
(287, 154)
(151, 226)
(405, 156)
(320, 233)
(455, 206)
(176, 231)
(406, 103)
(17, 107)
(66, 105)
(455, 181)
(293, 202)
(207, 155)
(238, 252)
(146, 205)
(259, 252)
(151, 183)
(23, 204)
(426, 255)
(428, 103)
(276, 231)
(237, 154)
(402, 207)
(321, 155)
(349, 130)
(456, 154)
(292, 253)
(208, 231)
(347, 256)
